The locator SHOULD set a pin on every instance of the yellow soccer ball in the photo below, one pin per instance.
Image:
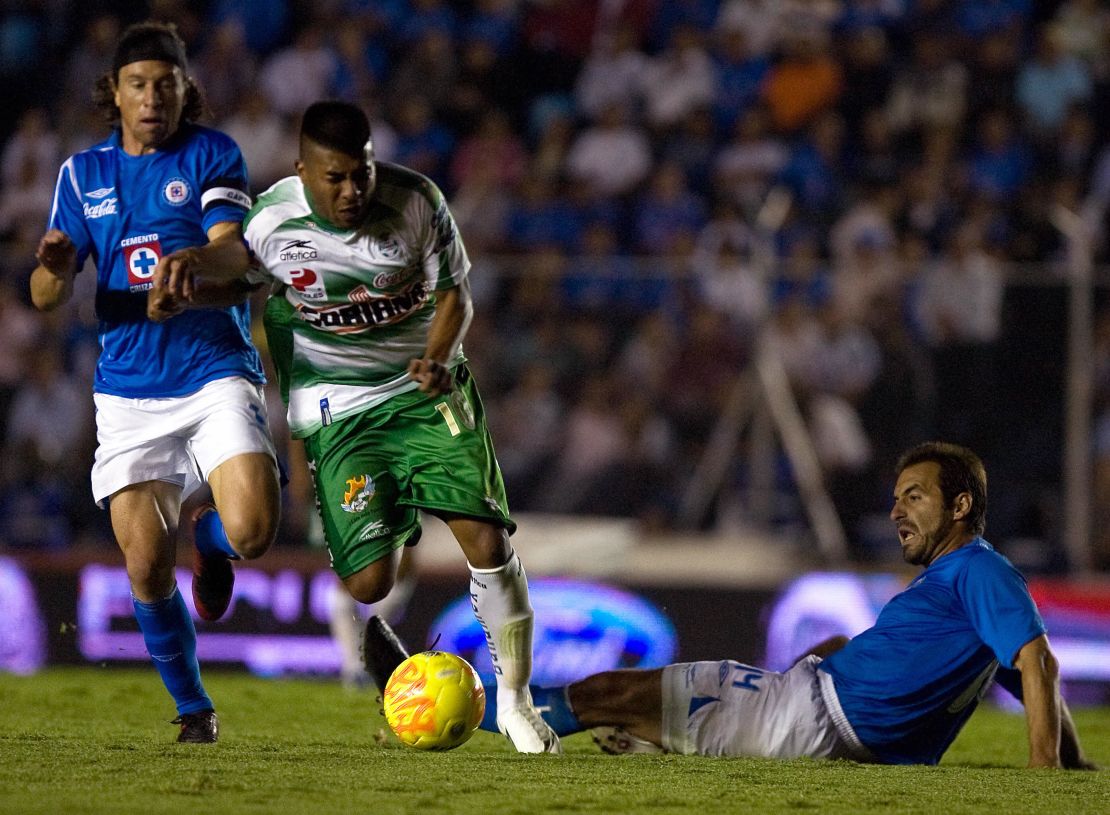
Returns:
(434, 701)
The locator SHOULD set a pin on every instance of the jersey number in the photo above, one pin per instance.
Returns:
(749, 678)
(449, 417)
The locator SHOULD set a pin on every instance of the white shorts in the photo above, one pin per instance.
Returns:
(181, 439)
(729, 709)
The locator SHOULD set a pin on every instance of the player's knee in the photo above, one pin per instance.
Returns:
(485, 545)
(250, 535)
(150, 577)
(369, 586)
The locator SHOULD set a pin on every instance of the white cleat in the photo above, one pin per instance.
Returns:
(617, 741)
(525, 728)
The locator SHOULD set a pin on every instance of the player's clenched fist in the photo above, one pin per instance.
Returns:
(56, 253)
(176, 273)
(161, 305)
(433, 378)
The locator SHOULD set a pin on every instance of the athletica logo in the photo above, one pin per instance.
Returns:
(176, 192)
(307, 283)
(375, 529)
(360, 489)
(297, 250)
(140, 256)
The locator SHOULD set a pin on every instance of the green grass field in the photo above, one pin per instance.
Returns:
(95, 741)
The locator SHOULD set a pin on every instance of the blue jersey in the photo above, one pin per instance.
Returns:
(909, 683)
(127, 212)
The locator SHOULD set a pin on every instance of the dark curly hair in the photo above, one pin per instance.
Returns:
(104, 91)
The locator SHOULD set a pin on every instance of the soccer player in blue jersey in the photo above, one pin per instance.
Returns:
(178, 383)
(898, 693)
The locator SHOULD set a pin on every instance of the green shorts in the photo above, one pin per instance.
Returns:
(374, 470)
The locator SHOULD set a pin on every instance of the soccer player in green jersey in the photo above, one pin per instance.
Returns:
(368, 308)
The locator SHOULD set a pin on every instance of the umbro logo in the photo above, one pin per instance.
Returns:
(103, 192)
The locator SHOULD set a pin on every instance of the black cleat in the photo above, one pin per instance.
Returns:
(382, 651)
(198, 728)
(213, 578)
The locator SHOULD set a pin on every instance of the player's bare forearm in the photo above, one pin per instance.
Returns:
(161, 304)
(220, 294)
(453, 313)
(1040, 687)
(52, 279)
(225, 256)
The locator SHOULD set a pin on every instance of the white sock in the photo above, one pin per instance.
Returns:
(499, 598)
(346, 630)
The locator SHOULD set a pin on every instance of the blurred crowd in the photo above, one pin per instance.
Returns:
(650, 192)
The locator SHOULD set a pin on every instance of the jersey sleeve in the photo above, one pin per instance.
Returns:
(446, 264)
(257, 229)
(66, 212)
(223, 194)
(999, 606)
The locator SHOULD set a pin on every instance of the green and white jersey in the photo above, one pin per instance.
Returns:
(350, 308)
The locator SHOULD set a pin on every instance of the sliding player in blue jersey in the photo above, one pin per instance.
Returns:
(178, 383)
(898, 693)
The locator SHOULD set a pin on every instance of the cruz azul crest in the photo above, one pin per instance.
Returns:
(360, 489)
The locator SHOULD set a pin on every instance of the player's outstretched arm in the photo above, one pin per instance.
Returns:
(1040, 687)
(161, 304)
(52, 279)
(223, 259)
(212, 275)
(453, 312)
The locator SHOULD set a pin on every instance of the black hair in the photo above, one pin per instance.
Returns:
(147, 40)
(337, 126)
(960, 471)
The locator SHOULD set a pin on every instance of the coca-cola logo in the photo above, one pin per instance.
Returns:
(387, 280)
(105, 207)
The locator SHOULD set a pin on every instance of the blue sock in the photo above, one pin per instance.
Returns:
(172, 642)
(211, 539)
(550, 702)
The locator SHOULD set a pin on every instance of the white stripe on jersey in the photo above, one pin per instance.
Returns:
(66, 165)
